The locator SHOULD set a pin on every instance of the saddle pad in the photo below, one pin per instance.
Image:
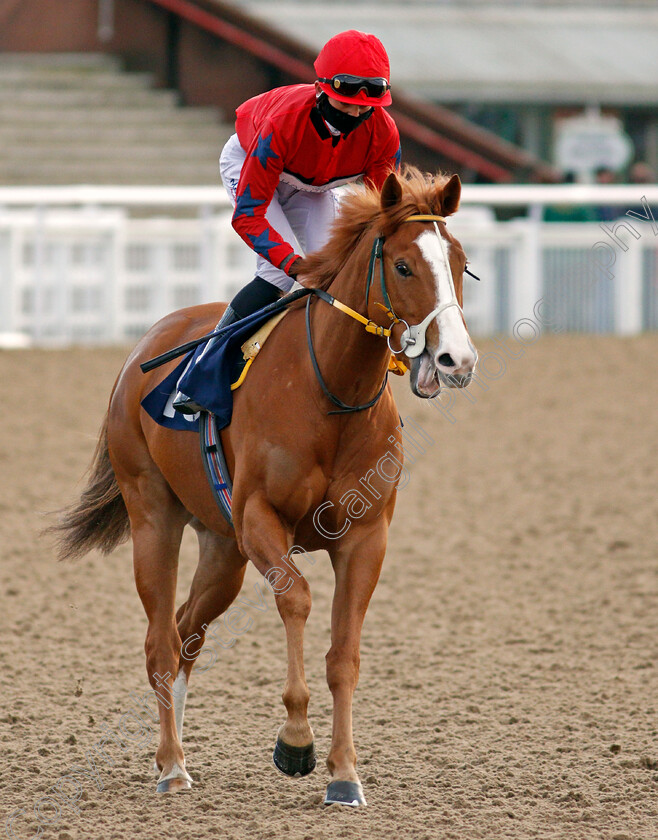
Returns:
(158, 403)
(252, 347)
(206, 375)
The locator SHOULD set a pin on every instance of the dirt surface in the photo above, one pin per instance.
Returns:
(509, 671)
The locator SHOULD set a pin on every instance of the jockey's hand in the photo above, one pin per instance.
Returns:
(294, 268)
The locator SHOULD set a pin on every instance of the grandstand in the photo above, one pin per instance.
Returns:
(478, 85)
(79, 118)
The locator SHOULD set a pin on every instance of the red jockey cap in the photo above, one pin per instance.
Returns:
(357, 54)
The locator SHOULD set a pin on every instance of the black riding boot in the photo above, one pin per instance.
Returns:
(254, 296)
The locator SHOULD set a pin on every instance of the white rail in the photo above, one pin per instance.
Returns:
(492, 195)
(101, 264)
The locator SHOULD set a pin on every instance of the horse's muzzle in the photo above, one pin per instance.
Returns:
(426, 379)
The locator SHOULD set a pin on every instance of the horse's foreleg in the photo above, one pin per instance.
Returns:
(216, 584)
(357, 570)
(266, 543)
(157, 522)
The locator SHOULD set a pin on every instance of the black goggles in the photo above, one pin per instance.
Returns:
(348, 85)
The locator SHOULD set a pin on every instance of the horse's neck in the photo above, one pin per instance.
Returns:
(353, 361)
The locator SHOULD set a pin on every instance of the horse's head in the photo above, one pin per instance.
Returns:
(421, 274)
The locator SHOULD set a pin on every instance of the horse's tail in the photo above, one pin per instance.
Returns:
(100, 518)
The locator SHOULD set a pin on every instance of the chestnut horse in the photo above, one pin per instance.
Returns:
(295, 459)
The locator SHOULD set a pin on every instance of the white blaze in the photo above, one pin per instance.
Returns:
(453, 335)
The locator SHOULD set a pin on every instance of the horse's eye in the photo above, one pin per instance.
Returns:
(403, 269)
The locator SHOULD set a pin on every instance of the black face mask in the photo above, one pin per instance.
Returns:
(345, 123)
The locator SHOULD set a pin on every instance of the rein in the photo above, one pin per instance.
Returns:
(412, 341)
(343, 408)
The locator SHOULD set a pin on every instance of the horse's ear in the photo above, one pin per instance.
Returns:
(450, 195)
(391, 192)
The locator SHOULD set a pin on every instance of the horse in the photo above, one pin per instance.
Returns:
(395, 274)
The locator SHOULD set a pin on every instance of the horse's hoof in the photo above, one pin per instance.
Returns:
(345, 793)
(176, 780)
(294, 761)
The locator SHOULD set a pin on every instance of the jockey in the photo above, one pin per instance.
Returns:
(292, 146)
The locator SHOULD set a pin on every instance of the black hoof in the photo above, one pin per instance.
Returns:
(345, 793)
(294, 761)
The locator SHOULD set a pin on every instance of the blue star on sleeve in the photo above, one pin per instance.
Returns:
(246, 203)
(262, 244)
(264, 151)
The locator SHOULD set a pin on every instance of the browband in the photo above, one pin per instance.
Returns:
(425, 218)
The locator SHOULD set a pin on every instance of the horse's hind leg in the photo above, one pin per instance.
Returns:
(157, 521)
(216, 584)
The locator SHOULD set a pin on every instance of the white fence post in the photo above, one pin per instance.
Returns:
(628, 286)
(526, 279)
(6, 279)
(39, 259)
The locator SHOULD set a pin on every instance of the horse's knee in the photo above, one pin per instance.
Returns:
(295, 603)
(342, 666)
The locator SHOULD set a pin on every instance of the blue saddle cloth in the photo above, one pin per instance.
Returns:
(158, 402)
(207, 375)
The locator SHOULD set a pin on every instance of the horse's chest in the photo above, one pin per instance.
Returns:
(291, 480)
(298, 486)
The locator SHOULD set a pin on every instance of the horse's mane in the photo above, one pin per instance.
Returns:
(361, 210)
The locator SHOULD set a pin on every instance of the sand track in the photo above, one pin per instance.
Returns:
(508, 684)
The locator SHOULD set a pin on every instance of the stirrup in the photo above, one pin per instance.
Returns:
(185, 405)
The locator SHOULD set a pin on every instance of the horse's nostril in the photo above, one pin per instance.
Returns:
(446, 360)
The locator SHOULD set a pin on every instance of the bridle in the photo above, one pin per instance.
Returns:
(413, 339)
